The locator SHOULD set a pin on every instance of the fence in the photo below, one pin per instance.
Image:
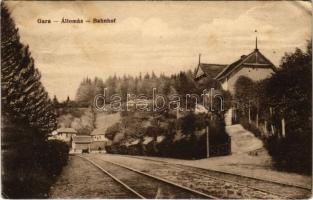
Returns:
(266, 126)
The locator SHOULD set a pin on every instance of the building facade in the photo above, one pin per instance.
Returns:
(81, 144)
(98, 140)
(64, 134)
(254, 66)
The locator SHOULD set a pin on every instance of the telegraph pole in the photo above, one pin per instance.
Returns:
(283, 125)
(207, 142)
(249, 112)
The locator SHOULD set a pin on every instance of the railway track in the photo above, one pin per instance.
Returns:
(82, 180)
(255, 188)
(143, 185)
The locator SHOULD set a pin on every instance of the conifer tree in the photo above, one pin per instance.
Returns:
(24, 99)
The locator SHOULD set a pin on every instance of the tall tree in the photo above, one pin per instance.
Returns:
(24, 99)
(289, 93)
(85, 92)
(28, 115)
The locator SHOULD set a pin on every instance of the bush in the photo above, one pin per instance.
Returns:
(217, 133)
(181, 149)
(52, 155)
(291, 154)
(164, 148)
(250, 127)
(30, 166)
(191, 144)
(112, 131)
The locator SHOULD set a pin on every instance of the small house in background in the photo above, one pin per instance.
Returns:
(64, 134)
(98, 140)
(81, 144)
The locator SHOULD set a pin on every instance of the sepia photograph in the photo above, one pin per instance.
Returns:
(156, 99)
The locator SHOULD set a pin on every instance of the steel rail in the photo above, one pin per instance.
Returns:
(164, 181)
(183, 167)
(114, 178)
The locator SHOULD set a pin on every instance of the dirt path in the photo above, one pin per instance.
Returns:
(242, 141)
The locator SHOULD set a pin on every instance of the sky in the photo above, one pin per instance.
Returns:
(164, 37)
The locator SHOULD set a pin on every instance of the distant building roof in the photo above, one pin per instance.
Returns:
(255, 59)
(135, 142)
(66, 130)
(178, 136)
(132, 143)
(160, 138)
(208, 70)
(147, 140)
(82, 139)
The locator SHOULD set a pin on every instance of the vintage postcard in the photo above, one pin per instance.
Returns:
(156, 99)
